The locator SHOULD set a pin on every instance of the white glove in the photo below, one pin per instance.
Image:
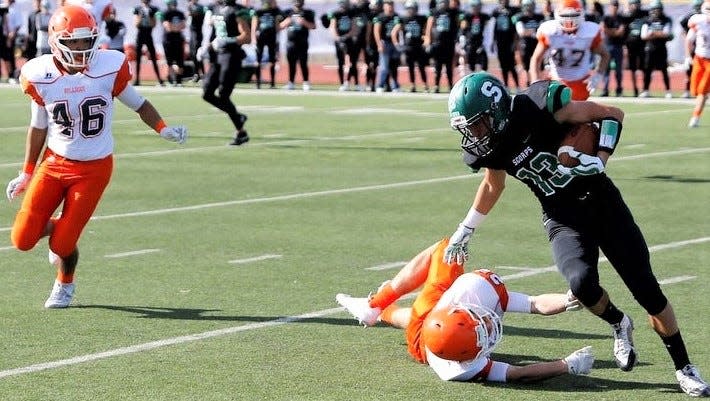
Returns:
(593, 82)
(17, 185)
(588, 164)
(688, 63)
(572, 304)
(177, 133)
(457, 250)
(218, 44)
(580, 362)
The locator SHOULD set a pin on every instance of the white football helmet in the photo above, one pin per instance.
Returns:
(72, 23)
(570, 15)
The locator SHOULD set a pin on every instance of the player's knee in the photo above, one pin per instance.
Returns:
(22, 241)
(586, 288)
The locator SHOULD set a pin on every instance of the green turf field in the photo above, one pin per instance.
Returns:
(209, 272)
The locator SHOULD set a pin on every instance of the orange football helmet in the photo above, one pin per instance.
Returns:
(68, 25)
(570, 15)
(462, 332)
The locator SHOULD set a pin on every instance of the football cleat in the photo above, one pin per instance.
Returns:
(624, 353)
(694, 122)
(580, 362)
(61, 296)
(359, 308)
(691, 383)
(240, 139)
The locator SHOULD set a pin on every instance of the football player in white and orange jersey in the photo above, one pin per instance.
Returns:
(698, 38)
(72, 92)
(572, 43)
(456, 320)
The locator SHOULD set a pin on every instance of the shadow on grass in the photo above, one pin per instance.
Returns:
(677, 179)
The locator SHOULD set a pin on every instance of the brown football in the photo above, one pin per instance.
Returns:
(583, 138)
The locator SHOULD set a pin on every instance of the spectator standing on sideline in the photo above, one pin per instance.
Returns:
(42, 26)
(196, 19)
(383, 24)
(689, 64)
(342, 28)
(173, 22)
(698, 40)
(634, 44)
(144, 20)
(12, 24)
(656, 31)
(30, 49)
(526, 23)
(115, 30)
(408, 36)
(264, 29)
(505, 40)
(298, 22)
(230, 23)
(614, 35)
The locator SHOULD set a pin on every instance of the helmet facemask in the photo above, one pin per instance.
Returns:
(68, 53)
(479, 135)
(489, 328)
(569, 18)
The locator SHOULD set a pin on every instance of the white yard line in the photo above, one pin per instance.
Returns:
(673, 280)
(276, 322)
(254, 259)
(386, 266)
(131, 253)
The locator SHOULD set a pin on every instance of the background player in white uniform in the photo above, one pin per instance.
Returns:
(72, 92)
(699, 39)
(455, 322)
(572, 43)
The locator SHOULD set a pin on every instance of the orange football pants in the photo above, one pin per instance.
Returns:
(439, 279)
(578, 88)
(700, 76)
(79, 184)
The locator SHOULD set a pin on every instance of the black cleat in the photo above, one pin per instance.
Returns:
(240, 139)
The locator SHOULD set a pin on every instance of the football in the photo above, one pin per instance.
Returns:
(583, 138)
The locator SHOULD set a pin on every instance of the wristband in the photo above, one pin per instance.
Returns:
(28, 168)
(159, 126)
(473, 219)
(610, 132)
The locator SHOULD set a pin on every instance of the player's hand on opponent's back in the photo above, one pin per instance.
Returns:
(17, 185)
(177, 133)
(457, 250)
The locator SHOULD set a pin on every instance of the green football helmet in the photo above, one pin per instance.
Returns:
(479, 108)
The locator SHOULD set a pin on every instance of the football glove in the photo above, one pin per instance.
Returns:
(688, 63)
(457, 250)
(177, 134)
(572, 304)
(593, 83)
(580, 362)
(588, 164)
(17, 185)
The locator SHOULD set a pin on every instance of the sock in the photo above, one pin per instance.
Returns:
(384, 297)
(64, 278)
(386, 315)
(611, 314)
(676, 348)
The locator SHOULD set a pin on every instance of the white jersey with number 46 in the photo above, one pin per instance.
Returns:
(570, 54)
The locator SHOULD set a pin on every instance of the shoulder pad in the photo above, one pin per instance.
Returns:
(40, 70)
(105, 62)
(549, 95)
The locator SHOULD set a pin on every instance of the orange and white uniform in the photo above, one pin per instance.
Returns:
(77, 111)
(699, 31)
(570, 54)
(447, 285)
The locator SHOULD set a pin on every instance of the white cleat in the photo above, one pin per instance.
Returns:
(694, 122)
(691, 383)
(306, 86)
(580, 362)
(61, 296)
(643, 94)
(624, 352)
(359, 308)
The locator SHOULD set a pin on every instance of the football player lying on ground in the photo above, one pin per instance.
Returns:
(455, 322)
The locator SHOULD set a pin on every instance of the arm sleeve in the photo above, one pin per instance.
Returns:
(498, 372)
(131, 98)
(39, 117)
(518, 302)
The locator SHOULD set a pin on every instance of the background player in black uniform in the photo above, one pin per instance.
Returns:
(634, 45)
(372, 56)
(342, 27)
(230, 24)
(361, 20)
(689, 61)
(173, 21)
(264, 28)
(382, 26)
(298, 22)
(526, 23)
(442, 29)
(473, 30)
(144, 20)
(505, 38)
(614, 36)
(655, 32)
(196, 16)
(583, 211)
(408, 37)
